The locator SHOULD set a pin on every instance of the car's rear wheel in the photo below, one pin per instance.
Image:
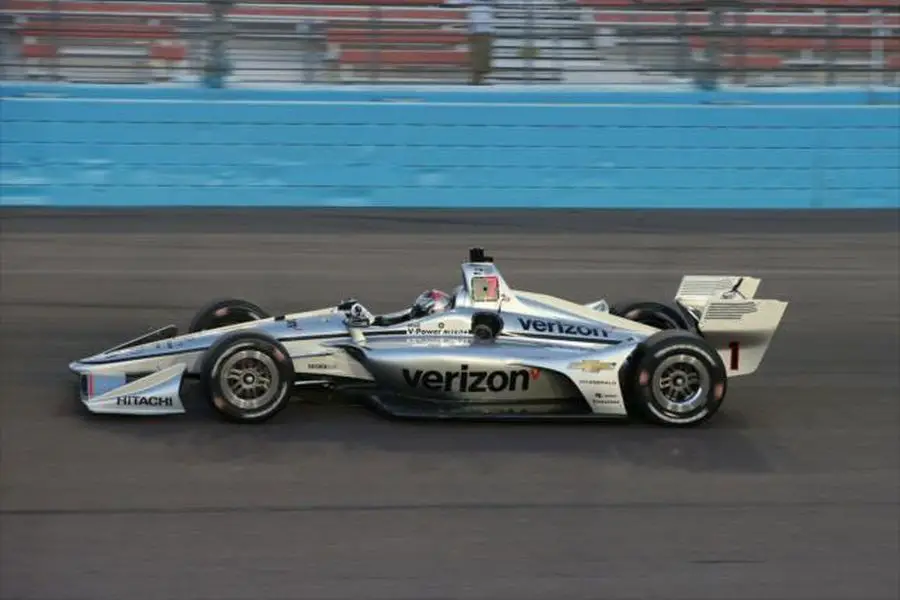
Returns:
(224, 312)
(655, 314)
(247, 377)
(677, 379)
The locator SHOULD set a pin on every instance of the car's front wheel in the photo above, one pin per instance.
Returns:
(247, 377)
(677, 379)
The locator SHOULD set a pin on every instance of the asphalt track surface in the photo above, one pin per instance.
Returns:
(792, 492)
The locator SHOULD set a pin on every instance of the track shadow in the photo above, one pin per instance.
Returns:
(725, 444)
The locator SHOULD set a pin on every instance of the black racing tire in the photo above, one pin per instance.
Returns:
(259, 358)
(656, 314)
(226, 311)
(669, 360)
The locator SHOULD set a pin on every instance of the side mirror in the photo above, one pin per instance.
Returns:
(599, 306)
(346, 304)
(486, 325)
(358, 316)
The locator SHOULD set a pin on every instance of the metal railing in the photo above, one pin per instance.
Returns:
(280, 42)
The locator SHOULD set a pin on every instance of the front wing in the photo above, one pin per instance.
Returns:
(158, 393)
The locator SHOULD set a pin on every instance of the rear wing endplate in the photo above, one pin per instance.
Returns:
(737, 324)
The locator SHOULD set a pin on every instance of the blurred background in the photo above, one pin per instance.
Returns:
(578, 42)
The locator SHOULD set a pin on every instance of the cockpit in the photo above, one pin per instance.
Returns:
(482, 286)
(427, 303)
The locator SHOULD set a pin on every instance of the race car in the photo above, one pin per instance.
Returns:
(485, 351)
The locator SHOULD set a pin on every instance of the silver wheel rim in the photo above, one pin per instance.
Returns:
(249, 379)
(681, 384)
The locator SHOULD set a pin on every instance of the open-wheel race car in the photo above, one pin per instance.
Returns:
(484, 351)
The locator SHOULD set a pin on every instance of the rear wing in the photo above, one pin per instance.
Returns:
(696, 291)
(739, 325)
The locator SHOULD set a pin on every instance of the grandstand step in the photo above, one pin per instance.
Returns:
(546, 35)
(543, 18)
(553, 35)
(547, 55)
(542, 42)
(544, 31)
(525, 64)
(554, 49)
(542, 46)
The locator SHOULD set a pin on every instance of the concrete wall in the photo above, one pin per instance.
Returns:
(123, 145)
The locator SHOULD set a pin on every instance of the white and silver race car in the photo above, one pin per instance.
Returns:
(494, 352)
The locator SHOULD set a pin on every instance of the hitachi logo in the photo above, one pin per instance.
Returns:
(465, 380)
(144, 401)
(560, 328)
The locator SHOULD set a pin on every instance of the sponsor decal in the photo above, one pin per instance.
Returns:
(466, 380)
(605, 399)
(687, 348)
(593, 366)
(446, 341)
(485, 289)
(144, 401)
(319, 366)
(561, 328)
(441, 330)
(597, 382)
(167, 344)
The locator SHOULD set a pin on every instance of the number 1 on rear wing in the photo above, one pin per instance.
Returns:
(739, 326)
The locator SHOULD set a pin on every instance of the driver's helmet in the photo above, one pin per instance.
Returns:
(431, 302)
